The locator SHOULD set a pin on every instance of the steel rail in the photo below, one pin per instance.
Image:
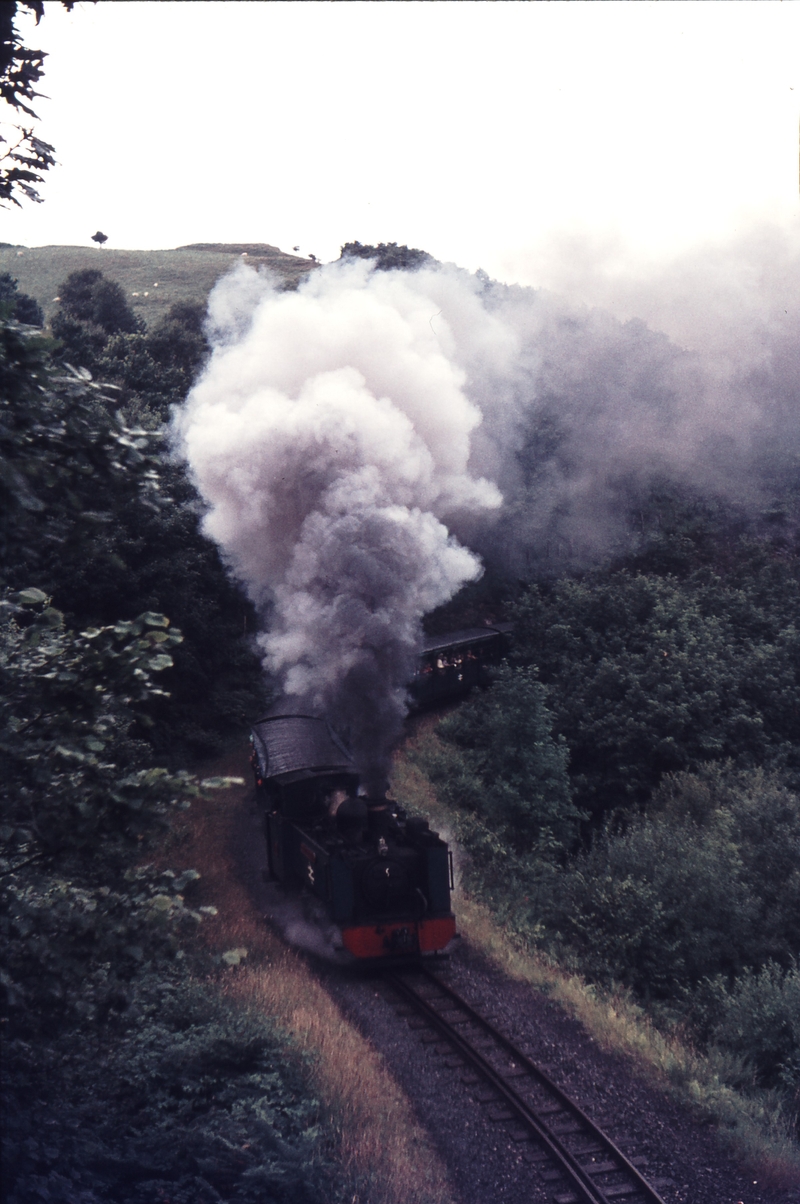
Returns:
(578, 1174)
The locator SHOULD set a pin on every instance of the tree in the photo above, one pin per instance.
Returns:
(156, 369)
(87, 296)
(388, 256)
(19, 306)
(100, 238)
(92, 308)
(21, 68)
(63, 454)
(509, 769)
(98, 519)
(649, 675)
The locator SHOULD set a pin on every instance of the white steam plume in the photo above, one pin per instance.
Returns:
(694, 384)
(344, 436)
(330, 439)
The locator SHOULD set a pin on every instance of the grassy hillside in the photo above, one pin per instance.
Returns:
(152, 280)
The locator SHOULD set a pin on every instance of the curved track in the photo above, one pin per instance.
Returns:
(578, 1162)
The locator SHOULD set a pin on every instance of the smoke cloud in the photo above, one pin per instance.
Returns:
(684, 373)
(330, 438)
(361, 442)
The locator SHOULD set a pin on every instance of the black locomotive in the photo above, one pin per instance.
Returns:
(384, 877)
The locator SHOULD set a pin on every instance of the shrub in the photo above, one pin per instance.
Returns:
(195, 1099)
(510, 770)
(658, 908)
(649, 676)
(706, 884)
(760, 1021)
(388, 256)
(17, 305)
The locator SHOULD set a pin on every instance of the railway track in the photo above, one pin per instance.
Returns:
(577, 1162)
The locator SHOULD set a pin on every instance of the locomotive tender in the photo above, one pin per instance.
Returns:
(384, 877)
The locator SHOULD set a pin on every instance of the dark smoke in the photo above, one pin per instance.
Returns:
(330, 437)
(344, 438)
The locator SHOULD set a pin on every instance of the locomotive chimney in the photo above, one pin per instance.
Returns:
(379, 810)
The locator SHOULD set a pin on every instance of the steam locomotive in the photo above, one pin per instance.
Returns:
(384, 877)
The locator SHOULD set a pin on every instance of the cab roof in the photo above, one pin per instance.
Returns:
(303, 745)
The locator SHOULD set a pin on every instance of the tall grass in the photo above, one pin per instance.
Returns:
(386, 1155)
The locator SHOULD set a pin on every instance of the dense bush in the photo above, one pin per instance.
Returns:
(759, 1019)
(193, 1100)
(88, 299)
(109, 527)
(121, 1082)
(388, 256)
(648, 675)
(695, 906)
(63, 454)
(156, 368)
(17, 305)
(706, 884)
(79, 801)
(508, 769)
(97, 330)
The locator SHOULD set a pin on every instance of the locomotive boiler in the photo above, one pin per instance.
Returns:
(384, 877)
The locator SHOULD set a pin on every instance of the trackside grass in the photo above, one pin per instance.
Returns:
(385, 1155)
(754, 1124)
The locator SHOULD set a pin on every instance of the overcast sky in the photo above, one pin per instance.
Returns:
(477, 131)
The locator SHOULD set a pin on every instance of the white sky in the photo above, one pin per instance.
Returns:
(476, 131)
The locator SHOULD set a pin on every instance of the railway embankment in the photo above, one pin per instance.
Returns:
(408, 1124)
(373, 1131)
(643, 1083)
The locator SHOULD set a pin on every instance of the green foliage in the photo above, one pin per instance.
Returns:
(64, 457)
(195, 1100)
(91, 310)
(657, 908)
(760, 1021)
(121, 1081)
(77, 799)
(68, 769)
(649, 675)
(21, 68)
(509, 769)
(74, 950)
(388, 256)
(760, 817)
(107, 527)
(155, 558)
(695, 906)
(178, 340)
(156, 369)
(89, 297)
(17, 305)
(706, 884)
